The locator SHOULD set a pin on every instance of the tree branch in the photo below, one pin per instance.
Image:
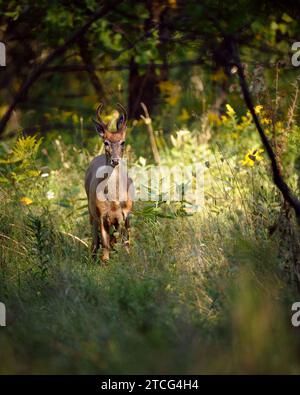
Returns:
(90, 68)
(73, 68)
(148, 122)
(37, 71)
(277, 176)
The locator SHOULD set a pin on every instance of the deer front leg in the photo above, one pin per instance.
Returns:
(95, 236)
(105, 239)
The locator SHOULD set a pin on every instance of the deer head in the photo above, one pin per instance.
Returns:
(114, 142)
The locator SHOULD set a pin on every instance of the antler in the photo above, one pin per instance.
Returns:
(123, 118)
(98, 114)
(98, 111)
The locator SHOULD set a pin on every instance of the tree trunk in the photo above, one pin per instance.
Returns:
(142, 88)
(87, 60)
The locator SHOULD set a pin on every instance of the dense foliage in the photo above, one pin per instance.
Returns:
(205, 292)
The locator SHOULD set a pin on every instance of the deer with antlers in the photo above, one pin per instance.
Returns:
(109, 189)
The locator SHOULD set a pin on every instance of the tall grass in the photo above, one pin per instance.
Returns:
(207, 293)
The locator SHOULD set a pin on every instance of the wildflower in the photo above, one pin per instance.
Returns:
(171, 91)
(26, 201)
(229, 110)
(142, 161)
(224, 119)
(266, 121)
(245, 121)
(50, 195)
(258, 109)
(166, 87)
(213, 118)
(172, 100)
(252, 156)
(184, 116)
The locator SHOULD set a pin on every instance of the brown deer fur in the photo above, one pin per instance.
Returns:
(109, 212)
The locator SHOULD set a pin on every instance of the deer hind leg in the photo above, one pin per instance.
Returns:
(114, 236)
(96, 237)
(105, 239)
(125, 232)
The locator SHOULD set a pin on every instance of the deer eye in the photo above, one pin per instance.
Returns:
(123, 144)
(106, 143)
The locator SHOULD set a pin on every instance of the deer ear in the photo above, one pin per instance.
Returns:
(121, 122)
(100, 128)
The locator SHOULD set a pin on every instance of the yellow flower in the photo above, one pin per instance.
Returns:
(224, 119)
(258, 109)
(213, 118)
(184, 116)
(26, 201)
(229, 110)
(252, 156)
(171, 91)
(166, 86)
(246, 121)
(266, 121)
(172, 100)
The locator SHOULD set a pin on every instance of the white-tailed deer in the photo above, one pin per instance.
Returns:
(108, 188)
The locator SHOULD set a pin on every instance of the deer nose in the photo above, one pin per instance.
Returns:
(114, 162)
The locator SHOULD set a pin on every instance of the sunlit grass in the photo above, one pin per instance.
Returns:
(205, 293)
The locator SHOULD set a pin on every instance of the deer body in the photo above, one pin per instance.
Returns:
(109, 191)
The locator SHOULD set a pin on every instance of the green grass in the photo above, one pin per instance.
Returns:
(207, 293)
